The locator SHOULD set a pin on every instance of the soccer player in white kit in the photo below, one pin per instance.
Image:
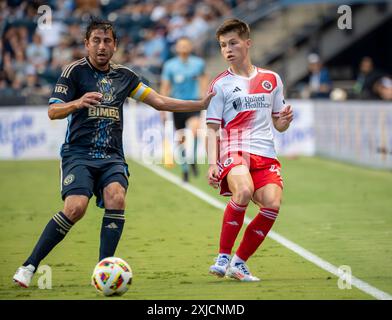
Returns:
(248, 101)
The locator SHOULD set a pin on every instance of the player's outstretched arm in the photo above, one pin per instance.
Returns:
(164, 103)
(62, 110)
(164, 90)
(282, 122)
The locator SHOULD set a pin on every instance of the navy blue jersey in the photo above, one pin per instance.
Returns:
(96, 132)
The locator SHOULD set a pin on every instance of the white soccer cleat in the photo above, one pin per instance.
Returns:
(240, 272)
(24, 275)
(220, 267)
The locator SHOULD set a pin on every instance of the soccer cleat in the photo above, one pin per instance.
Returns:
(24, 275)
(220, 267)
(240, 272)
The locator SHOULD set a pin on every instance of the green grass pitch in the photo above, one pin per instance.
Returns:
(340, 212)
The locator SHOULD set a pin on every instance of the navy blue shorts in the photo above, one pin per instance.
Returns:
(86, 179)
(180, 118)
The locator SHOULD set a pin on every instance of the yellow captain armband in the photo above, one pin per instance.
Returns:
(140, 92)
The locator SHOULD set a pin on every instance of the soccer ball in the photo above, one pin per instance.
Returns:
(112, 276)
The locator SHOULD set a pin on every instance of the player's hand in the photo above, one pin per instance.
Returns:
(89, 99)
(213, 176)
(206, 100)
(286, 115)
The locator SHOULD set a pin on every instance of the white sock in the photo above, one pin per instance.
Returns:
(30, 267)
(223, 255)
(236, 259)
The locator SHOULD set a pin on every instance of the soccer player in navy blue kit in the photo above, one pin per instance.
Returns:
(90, 93)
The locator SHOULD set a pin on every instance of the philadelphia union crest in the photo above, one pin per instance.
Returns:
(105, 87)
(68, 179)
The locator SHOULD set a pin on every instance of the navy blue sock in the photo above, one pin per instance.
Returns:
(54, 232)
(182, 154)
(195, 145)
(111, 230)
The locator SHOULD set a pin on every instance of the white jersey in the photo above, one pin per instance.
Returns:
(244, 108)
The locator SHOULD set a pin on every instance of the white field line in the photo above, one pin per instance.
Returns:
(361, 285)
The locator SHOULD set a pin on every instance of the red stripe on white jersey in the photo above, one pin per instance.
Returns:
(242, 120)
(219, 76)
(214, 119)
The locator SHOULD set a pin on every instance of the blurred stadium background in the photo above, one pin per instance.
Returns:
(337, 155)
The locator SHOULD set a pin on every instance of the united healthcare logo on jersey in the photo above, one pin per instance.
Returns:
(251, 102)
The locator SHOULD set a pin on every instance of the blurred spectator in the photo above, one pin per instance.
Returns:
(154, 48)
(63, 9)
(1, 53)
(12, 41)
(366, 79)
(5, 89)
(86, 8)
(159, 12)
(32, 86)
(76, 34)
(319, 83)
(383, 88)
(195, 24)
(15, 68)
(23, 36)
(52, 37)
(219, 7)
(177, 21)
(62, 54)
(38, 54)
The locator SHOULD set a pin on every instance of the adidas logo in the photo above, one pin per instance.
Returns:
(111, 226)
(260, 233)
(236, 89)
(233, 223)
(61, 231)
